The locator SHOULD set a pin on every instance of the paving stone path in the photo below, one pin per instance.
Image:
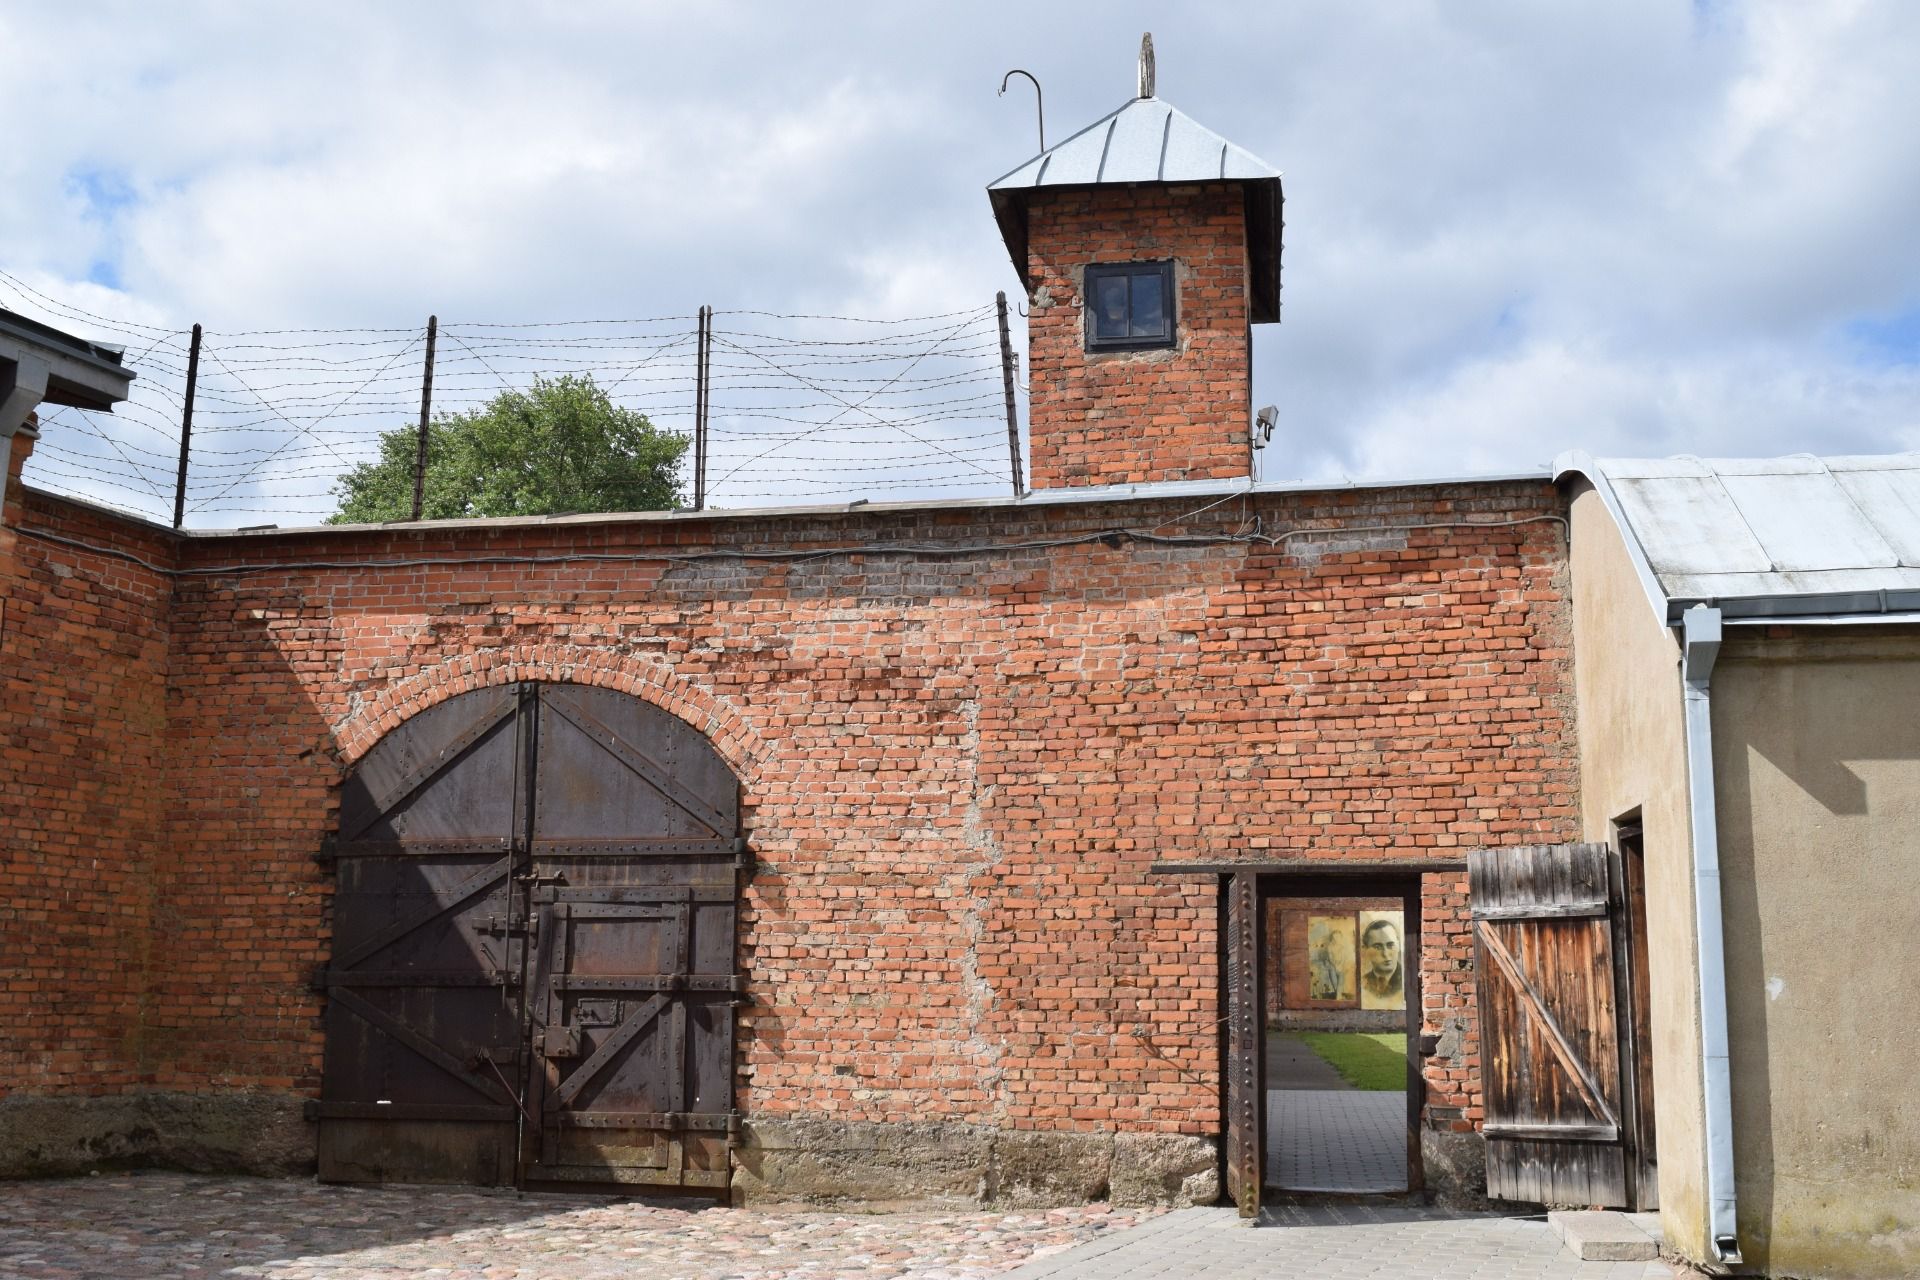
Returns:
(1336, 1140)
(1332, 1242)
(164, 1226)
(1292, 1064)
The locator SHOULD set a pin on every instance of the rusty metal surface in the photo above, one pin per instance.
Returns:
(635, 953)
(1245, 1044)
(532, 974)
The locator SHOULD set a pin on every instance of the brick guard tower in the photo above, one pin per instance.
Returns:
(1147, 245)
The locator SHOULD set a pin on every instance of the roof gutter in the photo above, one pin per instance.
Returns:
(1700, 646)
(1887, 604)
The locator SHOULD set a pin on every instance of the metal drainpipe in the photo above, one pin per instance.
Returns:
(1700, 646)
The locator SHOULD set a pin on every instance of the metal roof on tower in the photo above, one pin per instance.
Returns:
(1150, 141)
(1145, 140)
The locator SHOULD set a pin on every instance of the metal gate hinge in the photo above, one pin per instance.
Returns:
(329, 851)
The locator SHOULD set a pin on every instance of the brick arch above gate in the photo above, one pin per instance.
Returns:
(649, 680)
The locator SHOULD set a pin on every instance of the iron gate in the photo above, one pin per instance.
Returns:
(533, 957)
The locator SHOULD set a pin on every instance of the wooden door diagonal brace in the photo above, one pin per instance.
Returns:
(639, 762)
(492, 712)
(1536, 1010)
(381, 1020)
(600, 1057)
(442, 901)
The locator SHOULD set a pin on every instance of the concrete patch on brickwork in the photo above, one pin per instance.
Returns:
(827, 1161)
(253, 1133)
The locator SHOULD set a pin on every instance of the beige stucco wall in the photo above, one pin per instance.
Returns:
(1817, 777)
(1633, 755)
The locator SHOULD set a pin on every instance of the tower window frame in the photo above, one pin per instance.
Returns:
(1130, 291)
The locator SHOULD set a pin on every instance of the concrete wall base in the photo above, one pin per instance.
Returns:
(252, 1133)
(811, 1159)
(1456, 1168)
(821, 1160)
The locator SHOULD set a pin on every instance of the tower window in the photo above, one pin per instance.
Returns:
(1129, 306)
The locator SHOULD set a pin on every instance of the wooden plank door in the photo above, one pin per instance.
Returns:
(423, 1057)
(635, 866)
(1550, 1034)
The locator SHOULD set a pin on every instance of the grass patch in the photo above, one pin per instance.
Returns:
(1365, 1060)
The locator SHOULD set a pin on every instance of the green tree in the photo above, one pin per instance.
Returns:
(561, 446)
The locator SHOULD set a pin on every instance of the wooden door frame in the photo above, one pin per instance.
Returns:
(1321, 881)
(1626, 896)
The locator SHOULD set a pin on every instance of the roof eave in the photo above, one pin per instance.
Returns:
(1265, 201)
(1578, 463)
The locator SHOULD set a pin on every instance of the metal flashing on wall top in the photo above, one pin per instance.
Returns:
(1090, 495)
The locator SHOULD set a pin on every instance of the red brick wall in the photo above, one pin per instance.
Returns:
(1129, 417)
(83, 661)
(957, 769)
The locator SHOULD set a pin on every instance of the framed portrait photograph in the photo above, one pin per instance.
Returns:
(1382, 939)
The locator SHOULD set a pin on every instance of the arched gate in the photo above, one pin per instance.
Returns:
(533, 948)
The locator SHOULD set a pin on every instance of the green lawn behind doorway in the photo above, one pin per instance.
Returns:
(1365, 1060)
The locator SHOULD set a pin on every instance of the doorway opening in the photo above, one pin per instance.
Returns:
(1335, 1040)
(1630, 942)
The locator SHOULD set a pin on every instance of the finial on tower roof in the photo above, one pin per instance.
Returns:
(1146, 65)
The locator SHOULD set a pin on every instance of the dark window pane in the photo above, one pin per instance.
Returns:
(1149, 307)
(1110, 307)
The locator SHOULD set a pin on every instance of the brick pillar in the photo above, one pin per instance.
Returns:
(22, 447)
(1130, 417)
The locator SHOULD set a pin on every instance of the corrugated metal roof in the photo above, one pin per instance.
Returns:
(1144, 140)
(1789, 536)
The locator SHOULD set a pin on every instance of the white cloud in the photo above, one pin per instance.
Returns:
(1511, 228)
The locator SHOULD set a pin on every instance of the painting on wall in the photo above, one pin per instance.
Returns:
(1330, 958)
(1382, 972)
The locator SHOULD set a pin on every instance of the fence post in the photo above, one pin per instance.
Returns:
(1006, 377)
(186, 431)
(426, 407)
(705, 348)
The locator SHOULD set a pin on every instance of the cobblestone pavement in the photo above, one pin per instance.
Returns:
(1329, 1242)
(163, 1226)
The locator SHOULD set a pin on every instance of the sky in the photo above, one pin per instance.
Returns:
(1512, 229)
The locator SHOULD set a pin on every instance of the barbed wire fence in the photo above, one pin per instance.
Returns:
(781, 408)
